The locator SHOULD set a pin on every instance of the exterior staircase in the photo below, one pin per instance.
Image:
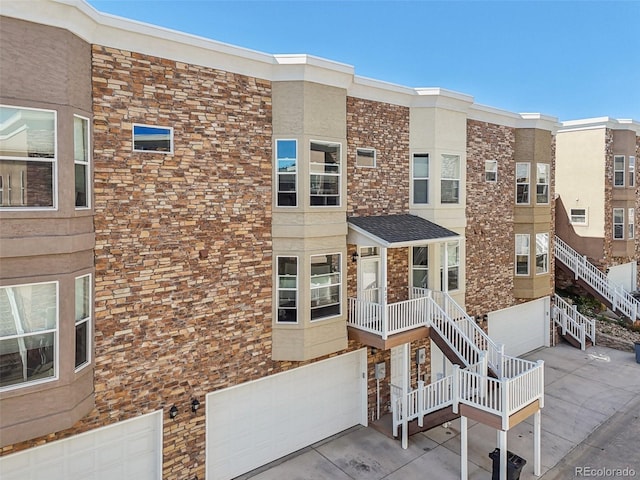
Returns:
(485, 385)
(596, 282)
(574, 327)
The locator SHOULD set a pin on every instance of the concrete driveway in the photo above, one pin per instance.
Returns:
(590, 427)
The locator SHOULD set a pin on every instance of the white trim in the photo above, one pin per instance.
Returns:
(528, 202)
(495, 164)
(88, 321)
(515, 263)
(338, 175)
(613, 223)
(297, 290)
(277, 173)
(340, 284)
(624, 171)
(586, 216)
(367, 149)
(414, 178)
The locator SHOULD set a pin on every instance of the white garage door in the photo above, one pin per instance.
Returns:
(521, 328)
(255, 423)
(126, 450)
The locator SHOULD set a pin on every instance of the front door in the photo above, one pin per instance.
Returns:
(369, 284)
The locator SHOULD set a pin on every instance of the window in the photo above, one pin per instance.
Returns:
(152, 139)
(491, 171)
(542, 183)
(542, 253)
(579, 216)
(450, 179)
(618, 170)
(28, 330)
(325, 286)
(325, 174)
(287, 289)
(83, 321)
(27, 157)
(632, 171)
(631, 220)
(81, 159)
(450, 266)
(287, 165)
(365, 157)
(420, 178)
(420, 267)
(522, 183)
(618, 223)
(522, 254)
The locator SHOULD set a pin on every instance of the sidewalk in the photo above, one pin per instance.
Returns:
(589, 420)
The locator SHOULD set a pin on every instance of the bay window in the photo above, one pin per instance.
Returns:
(522, 253)
(450, 266)
(287, 167)
(522, 183)
(287, 289)
(325, 286)
(28, 333)
(83, 321)
(632, 171)
(420, 172)
(542, 253)
(27, 157)
(631, 221)
(618, 170)
(420, 267)
(325, 173)
(81, 160)
(542, 183)
(450, 179)
(618, 223)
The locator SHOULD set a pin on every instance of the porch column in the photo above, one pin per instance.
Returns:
(405, 391)
(502, 445)
(536, 443)
(383, 292)
(464, 474)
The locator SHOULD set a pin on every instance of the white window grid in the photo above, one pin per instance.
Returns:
(85, 319)
(337, 174)
(86, 163)
(618, 171)
(280, 276)
(523, 182)
(523, 249)
(618, 223)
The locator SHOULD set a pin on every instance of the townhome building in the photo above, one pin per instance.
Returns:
(598, 196)
(213, 257)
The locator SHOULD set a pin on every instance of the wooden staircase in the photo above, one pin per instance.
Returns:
(572, 340)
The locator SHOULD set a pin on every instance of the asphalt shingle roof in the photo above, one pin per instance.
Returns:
(401, 228)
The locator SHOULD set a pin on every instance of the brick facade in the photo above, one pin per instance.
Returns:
(489, 233)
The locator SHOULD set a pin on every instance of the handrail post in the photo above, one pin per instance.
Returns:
(504, 393)
(485, 373)
(421, 409)
(500, 359)
(541, 380)
(455, 388)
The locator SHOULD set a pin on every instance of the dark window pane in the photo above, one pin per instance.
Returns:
(82, 355)
(81, 185)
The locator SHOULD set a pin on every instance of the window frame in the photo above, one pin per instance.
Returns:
(444, 259)
(523, 254)
(542, 253)
(632, 171)
(313, 288)
(86, 163)
(54, 169)
(526, 184)
(87, 320)
(367, 150)
(56, 340)
(545, 186)
(419, 267)
(631, 223)
(619, 173)
(158, 127)
(295, 173)
(415, 178)
(493, 171)
(572, 215)
(279, 289)
(620, 224)
(453, 180)
(338, 175)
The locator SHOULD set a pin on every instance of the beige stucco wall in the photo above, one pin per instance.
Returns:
(580, 176)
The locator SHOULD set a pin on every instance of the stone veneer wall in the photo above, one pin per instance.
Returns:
(607, 253)
(382, 190)
(490, 215)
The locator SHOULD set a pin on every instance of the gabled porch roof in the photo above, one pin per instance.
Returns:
(392, 231)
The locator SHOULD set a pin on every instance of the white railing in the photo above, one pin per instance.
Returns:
(390, 319)
(573, 322)
(617, 296)
(501, 397)
(471, 330)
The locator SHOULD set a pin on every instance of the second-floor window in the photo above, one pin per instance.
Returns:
(28, 333)
(631, 220)
(325, 173)
(522, 254)
(450, 179)
(81, 160)
(491, 171)
(579, 216)
(28, 139)
(542, 183)
(618, 223)
(420, 172)
(618, 170)
(325, 286)
(542, 253)
(522, 183)
(632, 171)
(287, 167)
(420, 267)
(287, 288)
(450, 266)
(83, 321)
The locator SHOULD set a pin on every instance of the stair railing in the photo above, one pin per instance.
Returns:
(573, 322)
(619, 298)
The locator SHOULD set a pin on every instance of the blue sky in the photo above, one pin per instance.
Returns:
(567, 59)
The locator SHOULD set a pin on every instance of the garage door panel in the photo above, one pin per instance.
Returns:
(283, 413)
(521, 328)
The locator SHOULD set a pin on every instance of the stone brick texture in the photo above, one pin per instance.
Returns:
(490, 216)
(383, 190)
(607, 254)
